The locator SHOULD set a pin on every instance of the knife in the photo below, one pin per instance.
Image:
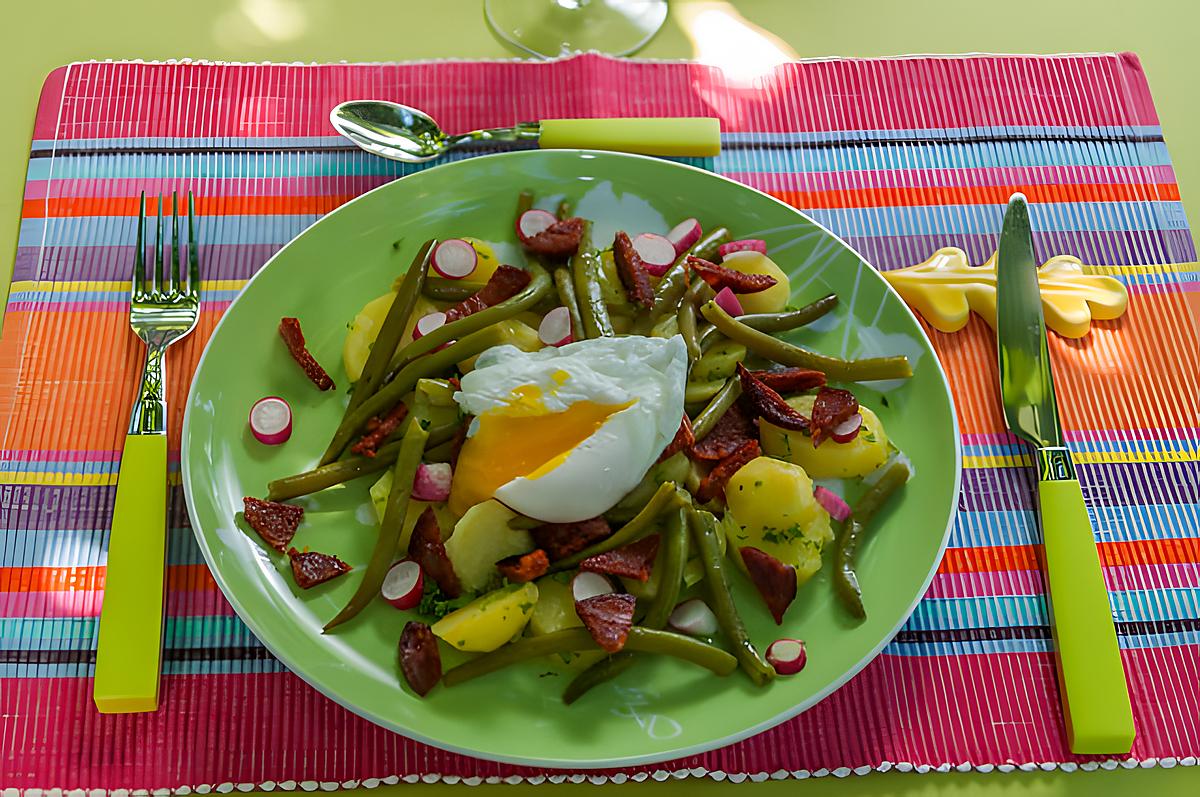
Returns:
(1095, 698)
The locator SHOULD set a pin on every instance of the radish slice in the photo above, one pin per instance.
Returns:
(657, 253)
(454, 258)
(693, 617)
(271, 420)
(685, 233)
(428, 323)
(531, 222)
(748, 245)
(728, 302)
(403, 585)
(432, 482)
(787, 656)
(833, 503)
(847, 430)
(588, 585)
(555, 329)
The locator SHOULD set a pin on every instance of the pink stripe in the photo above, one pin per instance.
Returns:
(977, 709)
(46, 120)
(347, 186)
(1089, 435)
(181, 603)
(956, 178)
(280, 100)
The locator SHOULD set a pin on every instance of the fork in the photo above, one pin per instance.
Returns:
(162, 310)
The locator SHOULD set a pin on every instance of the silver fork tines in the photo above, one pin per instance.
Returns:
(161, 311)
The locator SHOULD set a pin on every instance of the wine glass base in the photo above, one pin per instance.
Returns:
(553, 28)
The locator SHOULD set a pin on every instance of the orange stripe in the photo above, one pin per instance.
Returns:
(957, 560)
(180, 578)
(58, 207)
(848, 198)
(78, 377)
(976, 195)
(1112, 554)
(1139, 371)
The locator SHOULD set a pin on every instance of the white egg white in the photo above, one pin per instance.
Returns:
(651, 372)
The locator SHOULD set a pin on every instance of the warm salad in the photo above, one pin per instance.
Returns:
(572, 457)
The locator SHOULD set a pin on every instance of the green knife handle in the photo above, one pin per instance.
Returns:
(129, 649)
(1095, 697)
(698, 136)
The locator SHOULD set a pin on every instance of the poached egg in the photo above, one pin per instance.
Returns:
(562, 434)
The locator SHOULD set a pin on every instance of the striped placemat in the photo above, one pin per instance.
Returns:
(899, 156)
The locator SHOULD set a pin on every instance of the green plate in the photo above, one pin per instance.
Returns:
(660, 709)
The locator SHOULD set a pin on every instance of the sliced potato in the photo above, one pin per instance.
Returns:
(487, 263)
(512, 332)
(480, 539)
(555, 608)
(773, 299)
(490, 621)
(772, 508)
(365, 328)
(831, 460)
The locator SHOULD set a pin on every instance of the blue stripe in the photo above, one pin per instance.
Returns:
(949, 155)
(992, 646)
(1185, 445)
(82, 548)
(1001, 611)
(983, 529)
(51, 296)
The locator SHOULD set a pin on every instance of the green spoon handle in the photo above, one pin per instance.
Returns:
(678, 137)
(1095, 698)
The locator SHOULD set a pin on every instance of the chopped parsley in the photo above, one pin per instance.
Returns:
(869, 437)
(434, 602)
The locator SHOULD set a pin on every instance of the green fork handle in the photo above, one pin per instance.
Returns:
(129, 650)
(1095, 698)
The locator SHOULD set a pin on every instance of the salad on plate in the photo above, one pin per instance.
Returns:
(571, 458)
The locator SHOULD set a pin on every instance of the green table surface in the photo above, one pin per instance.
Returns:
(36, 37)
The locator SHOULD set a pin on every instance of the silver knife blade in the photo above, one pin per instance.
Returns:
(1026, 384)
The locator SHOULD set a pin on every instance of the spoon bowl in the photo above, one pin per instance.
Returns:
(401, 133)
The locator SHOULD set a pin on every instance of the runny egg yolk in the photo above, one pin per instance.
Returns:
(519, 439)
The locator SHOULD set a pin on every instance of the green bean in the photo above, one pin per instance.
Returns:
(403, 382)
(776, 322)
(708, 417)
(524, 202)
(704, 533)
(672, 469)
(538, 287)
(670, 574)
(674, 282)
(566, 295)
(632, 531)
(392, 329)
(790, 319)
(314, 481)
(441, 289)
(687, 328)
(409, 458)
(571, 640)
(588, 292)
(564, 209)
(845, 579)
(776, 350)
(670, 567)
(601, 672)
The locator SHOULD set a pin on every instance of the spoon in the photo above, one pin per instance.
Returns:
(401, 133)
